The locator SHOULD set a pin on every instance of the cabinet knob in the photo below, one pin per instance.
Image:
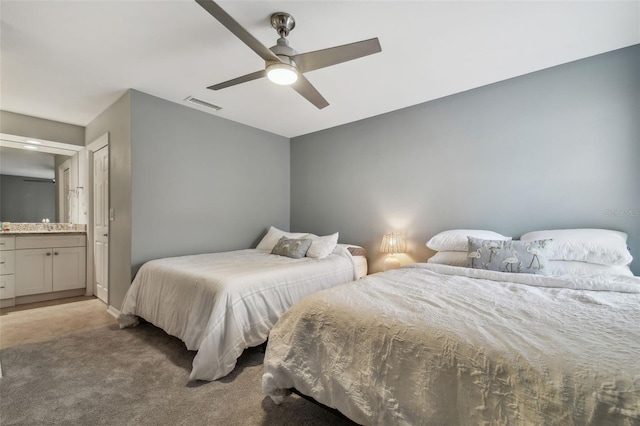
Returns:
(1, 263)
(1, 286)
(56, 253)
(48, 254)
(105, 235)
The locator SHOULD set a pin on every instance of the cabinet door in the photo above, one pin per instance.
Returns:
(69, 266)
(33, 271)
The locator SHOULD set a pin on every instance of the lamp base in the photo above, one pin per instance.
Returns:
(391, 262)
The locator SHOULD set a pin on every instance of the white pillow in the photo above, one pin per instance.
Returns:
(568, 267)
(456, 239)
(322, 247)
(452, 258)
(601, 246)
(274, 234)
(556, 267)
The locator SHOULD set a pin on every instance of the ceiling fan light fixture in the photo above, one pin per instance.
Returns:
(283, 74)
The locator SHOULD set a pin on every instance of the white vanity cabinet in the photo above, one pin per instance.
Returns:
(49, 263)
(7, 267)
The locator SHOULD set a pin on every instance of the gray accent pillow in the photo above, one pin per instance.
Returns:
(527, 257)
(296, 249)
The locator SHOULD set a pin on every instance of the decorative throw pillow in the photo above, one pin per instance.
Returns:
(274, 234)
(296, 249)
(528, 257)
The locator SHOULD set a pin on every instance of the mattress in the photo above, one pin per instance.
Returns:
(435, 344)
(359, 255)
(361, 266)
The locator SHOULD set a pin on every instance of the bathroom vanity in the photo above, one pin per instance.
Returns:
(38, 265)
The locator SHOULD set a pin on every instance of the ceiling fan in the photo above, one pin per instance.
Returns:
(283, 65)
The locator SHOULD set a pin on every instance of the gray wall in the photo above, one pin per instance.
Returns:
(27, 199)
(201, 183)
(184, 182)
(552, 149)
(116, 120)
(39, 128)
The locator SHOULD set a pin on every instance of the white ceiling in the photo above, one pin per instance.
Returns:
(69, 60)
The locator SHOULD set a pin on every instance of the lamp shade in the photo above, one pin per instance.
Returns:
(393, 243)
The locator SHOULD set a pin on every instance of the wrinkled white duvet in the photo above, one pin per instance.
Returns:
(222, 303)
(441, 345)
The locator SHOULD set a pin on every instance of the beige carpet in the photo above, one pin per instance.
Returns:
(136, 376)
(37, 322)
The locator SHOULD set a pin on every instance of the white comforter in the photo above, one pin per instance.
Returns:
(221, 303)
(441, 345)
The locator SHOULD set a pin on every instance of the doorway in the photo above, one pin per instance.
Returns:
(101, 222)
(64, 183)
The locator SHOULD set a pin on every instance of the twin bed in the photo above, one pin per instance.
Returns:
(425, 344)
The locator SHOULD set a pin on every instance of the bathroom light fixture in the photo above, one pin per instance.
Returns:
(31, 141)
(281, 73)
(31, 147)
(392, 243)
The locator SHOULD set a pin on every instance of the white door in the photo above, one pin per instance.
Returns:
(101, 222)
(64, 175)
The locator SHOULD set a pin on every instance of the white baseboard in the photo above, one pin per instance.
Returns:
(113, 311)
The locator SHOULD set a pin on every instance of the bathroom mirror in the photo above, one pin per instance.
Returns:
(39, 179)
(28, 191)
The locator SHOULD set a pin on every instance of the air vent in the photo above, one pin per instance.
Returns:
(202, 103)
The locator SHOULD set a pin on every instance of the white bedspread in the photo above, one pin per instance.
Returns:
(441, 345)
(222, 303)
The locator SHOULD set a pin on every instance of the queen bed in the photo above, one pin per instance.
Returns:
(440, 344)
(222, 303)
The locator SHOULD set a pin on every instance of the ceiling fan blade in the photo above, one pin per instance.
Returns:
(306, 89)
(249, 77)
(334, 55)
(232, 25)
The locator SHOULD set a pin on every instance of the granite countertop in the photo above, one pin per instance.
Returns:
(41, 232)
(26, 228)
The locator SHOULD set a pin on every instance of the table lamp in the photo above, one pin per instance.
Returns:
(392, 243)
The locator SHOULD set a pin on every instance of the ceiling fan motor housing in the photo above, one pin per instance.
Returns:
(283, 23)
(283, 51)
